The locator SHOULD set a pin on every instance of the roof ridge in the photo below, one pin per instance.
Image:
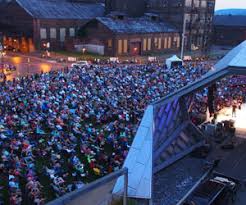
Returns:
(49, 9)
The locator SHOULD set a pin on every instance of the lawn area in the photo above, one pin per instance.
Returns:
(80, 56)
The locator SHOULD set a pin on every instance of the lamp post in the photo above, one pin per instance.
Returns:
(183, 38)
(1, 56)
(28, 66)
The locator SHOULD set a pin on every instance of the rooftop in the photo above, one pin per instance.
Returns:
(230, 20)
(136, 25)
(61, 9)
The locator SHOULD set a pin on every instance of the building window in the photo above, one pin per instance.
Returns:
(196, 4)
(165, 43)
(125, 46)
(53, 33)
(156, 42)
(159, 43)
(62, 34)
(71, 32)
(204, 4)
(144, 44)
(149, 44)
(43, 33)
(110, 43)
(178, 42)
(119, 46)
(188, 3)
(169, 42)
(187, 18)
(210, 5)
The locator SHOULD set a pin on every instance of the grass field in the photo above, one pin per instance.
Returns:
(81, 56)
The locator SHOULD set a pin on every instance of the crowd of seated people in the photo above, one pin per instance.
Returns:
(229, 91)
(60, 130)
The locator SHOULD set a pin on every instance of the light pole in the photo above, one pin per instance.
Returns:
(183, 38)
(28, 66)
(1, 55)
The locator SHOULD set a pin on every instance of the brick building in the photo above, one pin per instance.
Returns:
(125, 36)
(229, 29)
(31, 24)
(199, 16)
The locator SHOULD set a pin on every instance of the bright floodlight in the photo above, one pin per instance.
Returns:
(226, 114)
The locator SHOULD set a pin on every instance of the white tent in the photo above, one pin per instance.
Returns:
(173, 60)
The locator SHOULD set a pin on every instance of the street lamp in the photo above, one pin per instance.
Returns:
(83, 50)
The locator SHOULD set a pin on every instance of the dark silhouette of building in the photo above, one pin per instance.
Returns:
(229, 29)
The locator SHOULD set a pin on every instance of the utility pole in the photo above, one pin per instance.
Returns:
(183, 38)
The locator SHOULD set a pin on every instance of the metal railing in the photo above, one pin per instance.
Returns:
(77, 197)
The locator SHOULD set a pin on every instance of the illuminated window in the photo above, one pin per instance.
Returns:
(149, 44)
(178, 42)
(165, 42)
(159, 43)
(144, 44)
(169, 42)
(156, 42)
(110, 43)
(125, 46)
(119, 46)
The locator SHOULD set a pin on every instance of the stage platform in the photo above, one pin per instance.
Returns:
(171, 184)
(234, 165)
(233, 161)
(240, 119)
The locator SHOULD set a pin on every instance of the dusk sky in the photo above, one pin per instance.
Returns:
(225, 4)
